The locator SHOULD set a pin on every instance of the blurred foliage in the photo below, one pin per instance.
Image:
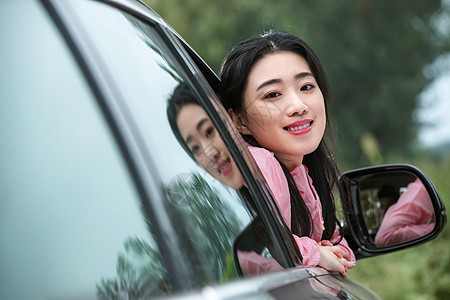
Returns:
(207, 224)
(140, 273)
(375, 54)
(206, 237)
(371, 149)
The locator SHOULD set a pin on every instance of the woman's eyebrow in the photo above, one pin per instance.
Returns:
(304, 74)
(268, 82)
(201, 122)
(198, 127)
(272, 81)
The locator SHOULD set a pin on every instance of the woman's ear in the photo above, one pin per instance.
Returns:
(239, 122)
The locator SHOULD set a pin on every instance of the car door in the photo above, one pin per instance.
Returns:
(72, 215)
(99, 198)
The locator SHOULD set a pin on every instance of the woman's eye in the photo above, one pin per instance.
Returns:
(195, 149)
(272, 95)
(307, 87)
(209, 131)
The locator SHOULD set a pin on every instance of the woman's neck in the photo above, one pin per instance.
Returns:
(290, 162)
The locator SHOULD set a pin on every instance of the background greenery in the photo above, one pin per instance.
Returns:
(379, 57)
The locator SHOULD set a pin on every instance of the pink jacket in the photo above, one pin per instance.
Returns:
(276, 180)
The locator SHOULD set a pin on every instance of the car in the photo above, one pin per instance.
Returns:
(100, 201)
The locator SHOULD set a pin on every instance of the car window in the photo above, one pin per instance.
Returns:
(71, 221)
(208, 214)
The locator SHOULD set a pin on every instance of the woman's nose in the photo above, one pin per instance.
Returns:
(211, 152)
(296, 105)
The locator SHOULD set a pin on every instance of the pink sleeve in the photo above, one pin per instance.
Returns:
(252, 263)
(277, 183)
(309, 249)
(411, 217)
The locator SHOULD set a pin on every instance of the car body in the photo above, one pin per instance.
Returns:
(98, 198)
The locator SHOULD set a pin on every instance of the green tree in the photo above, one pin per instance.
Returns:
(208, 223)
(206, 229)
(140, 273)
(375, 53)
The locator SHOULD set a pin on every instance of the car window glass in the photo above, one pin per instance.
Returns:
(71, 221)
(215, 228)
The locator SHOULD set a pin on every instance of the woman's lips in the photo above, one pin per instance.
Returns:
(299, 127)
(224, 167)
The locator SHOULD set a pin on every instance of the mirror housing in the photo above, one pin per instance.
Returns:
(376, 226)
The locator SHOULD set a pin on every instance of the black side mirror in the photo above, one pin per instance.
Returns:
(391, 207)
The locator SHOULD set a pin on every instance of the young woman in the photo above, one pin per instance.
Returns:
(275, 90)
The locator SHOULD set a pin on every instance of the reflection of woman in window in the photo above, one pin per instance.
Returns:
(199, 138)
(411, 217)
(197, 134)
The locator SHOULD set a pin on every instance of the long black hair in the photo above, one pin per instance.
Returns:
(323, 170)
(180, 97)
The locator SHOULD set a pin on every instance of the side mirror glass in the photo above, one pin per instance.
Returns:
(392, 207)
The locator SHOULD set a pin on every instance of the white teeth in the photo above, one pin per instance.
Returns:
(298, 127)
(224, 167)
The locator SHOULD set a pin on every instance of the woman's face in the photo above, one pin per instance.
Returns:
(207, 146)
(284, 107)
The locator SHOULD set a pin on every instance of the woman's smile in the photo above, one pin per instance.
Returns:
(224, 167)
(205, 143)
(299, 127)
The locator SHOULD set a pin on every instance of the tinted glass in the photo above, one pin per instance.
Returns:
(71, 223)
(207, 214)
